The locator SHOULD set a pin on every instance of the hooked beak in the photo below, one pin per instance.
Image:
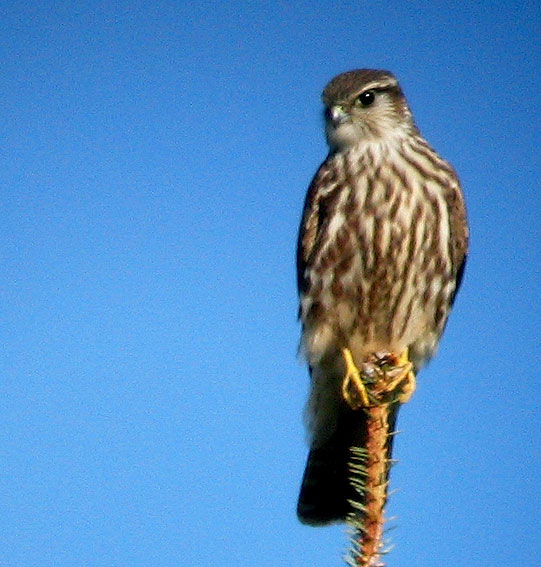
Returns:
(337, 115)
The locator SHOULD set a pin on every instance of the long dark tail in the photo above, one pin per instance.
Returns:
(327, 489)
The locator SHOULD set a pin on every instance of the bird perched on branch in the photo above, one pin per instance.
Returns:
(381, 252)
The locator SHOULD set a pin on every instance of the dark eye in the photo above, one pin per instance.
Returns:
(366, 98)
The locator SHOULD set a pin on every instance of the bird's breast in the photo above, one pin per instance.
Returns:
(380, 264)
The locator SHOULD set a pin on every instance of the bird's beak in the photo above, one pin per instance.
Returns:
(338, 115)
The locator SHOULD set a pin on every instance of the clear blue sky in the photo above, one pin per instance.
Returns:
(155, 159)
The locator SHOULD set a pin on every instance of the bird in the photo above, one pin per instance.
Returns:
(381, 252)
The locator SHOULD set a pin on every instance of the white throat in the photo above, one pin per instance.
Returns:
(352, 134)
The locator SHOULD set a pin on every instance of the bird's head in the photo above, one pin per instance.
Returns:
(365, 105)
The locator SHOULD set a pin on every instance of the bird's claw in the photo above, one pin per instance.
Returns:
(383, 374)
(353, 388)
(400, 376)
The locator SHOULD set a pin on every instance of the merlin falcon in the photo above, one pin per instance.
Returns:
(380, 256)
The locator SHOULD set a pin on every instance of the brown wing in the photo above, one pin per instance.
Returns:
(313, 215)
(459, 231)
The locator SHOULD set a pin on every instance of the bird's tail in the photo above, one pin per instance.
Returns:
(332, 488)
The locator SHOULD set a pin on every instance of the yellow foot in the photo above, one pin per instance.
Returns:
(353, 387)
(402, 377)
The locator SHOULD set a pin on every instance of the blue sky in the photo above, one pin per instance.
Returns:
(155, 161)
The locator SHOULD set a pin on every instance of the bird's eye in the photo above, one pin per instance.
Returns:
(367, 98)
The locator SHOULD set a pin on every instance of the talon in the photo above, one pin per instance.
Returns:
(402, 376)
(352, 378)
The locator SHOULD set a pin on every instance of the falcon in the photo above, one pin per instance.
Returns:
(380, 256)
